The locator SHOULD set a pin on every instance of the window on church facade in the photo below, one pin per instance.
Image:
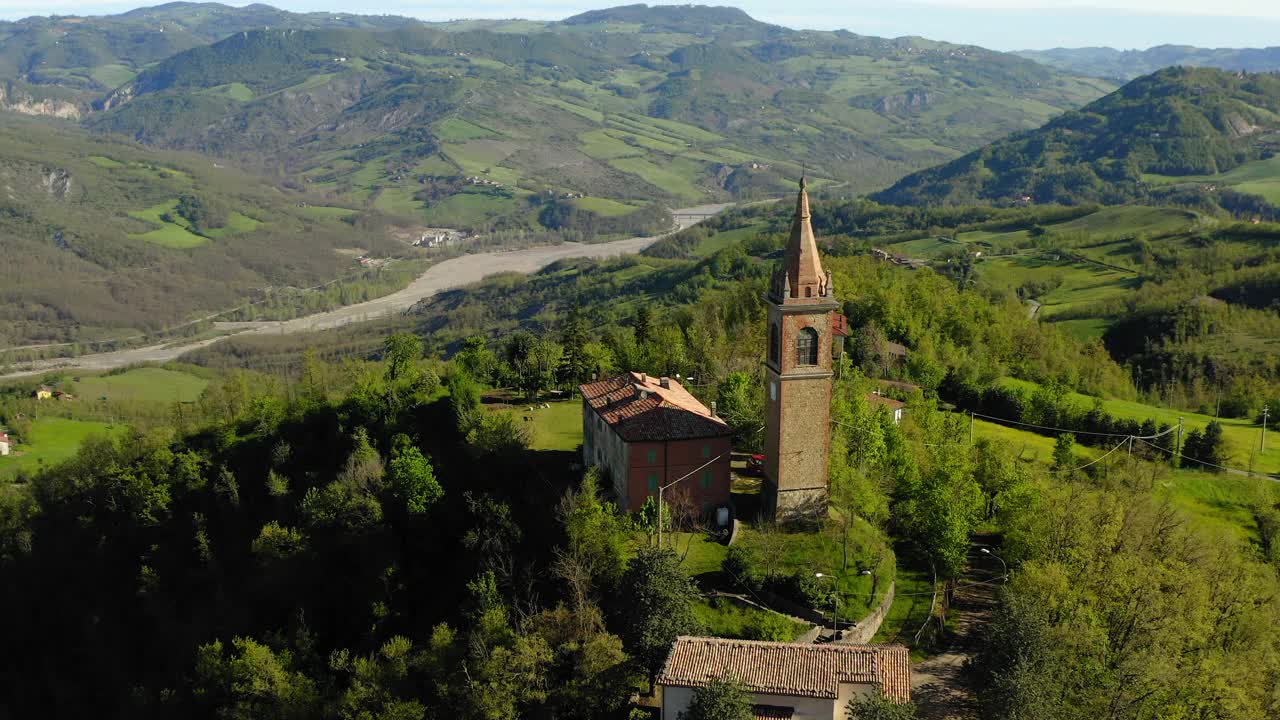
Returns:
(807, 347)
(775, 344)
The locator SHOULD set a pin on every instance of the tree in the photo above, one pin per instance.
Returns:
(644, 324)
(878, 707)
(401, 352)
(1064, 455)
(413, 481)
(464, 399)
(477, 359)
(249, 681)
(720, 699)
(740, 402)
(655, 606)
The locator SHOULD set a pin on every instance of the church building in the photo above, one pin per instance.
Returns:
(802, 315)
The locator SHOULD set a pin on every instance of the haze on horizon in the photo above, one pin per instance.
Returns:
(996, 24)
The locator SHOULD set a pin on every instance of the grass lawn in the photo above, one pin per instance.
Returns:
(912, 597)
(731, 618)
(236, 224)
(55, 440)
(703, 554)
(105, 162)
(556, 428)
(147, 384)
(805, 553)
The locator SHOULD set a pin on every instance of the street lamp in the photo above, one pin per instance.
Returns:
(835, 601)
(986, 551)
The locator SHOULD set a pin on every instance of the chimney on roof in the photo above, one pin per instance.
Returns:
(665, 382)
(644, 378)
(595, 376)
(713, 408)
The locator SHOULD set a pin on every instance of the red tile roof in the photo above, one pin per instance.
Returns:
(877, 400)
(641, 408)
(795, 669)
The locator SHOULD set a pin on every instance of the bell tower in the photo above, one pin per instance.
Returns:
(798, 375)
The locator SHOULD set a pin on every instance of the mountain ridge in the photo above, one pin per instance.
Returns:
(1175, 123)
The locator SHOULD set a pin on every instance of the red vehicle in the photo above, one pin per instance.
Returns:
(755, 464)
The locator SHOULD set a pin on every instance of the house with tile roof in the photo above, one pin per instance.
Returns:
(786, 681)
(4, 444)
(896, 407)
(648, 432)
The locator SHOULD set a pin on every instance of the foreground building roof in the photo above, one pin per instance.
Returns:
(794, 669)
(643, 408)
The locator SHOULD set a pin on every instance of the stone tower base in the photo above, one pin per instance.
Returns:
(795, 506)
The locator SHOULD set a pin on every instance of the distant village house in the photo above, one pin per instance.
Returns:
(43, 392)
(4, 444)
(896, 407)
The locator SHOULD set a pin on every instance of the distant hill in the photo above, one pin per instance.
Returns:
(104, 239)
(1196, 125)
(629, 105)
(1129, 64)
(76, 58)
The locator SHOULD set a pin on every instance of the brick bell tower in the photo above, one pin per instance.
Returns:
(798, 375)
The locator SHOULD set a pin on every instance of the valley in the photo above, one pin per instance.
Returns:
(445, 275)
(655, 362)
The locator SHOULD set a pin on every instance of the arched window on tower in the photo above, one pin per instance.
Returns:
(775, 344)
(807, 347)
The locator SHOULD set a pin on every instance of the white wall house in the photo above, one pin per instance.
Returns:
(4, 444)
(787, 681)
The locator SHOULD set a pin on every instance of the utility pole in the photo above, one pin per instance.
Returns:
(1177, 449)
(970, 428)
(1266, 412)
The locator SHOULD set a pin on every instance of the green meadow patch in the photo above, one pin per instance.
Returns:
(105, 162)
(52, 440)
(146, 384)
(458, 130)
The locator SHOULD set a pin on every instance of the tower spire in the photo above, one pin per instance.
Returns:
(801, 263)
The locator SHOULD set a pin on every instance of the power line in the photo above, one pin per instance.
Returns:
(1248, 473)
(1067, 430)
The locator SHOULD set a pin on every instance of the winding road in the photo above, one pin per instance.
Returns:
(446, 275)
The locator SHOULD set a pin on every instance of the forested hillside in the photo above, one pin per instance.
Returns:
(1129, 64)
(432, 553)
(624, 106)
(108, 240)
(1199, 127)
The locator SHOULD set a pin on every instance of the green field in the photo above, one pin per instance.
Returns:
(1260, 177)
(1242, 436)
(232, 91)
(147, 384)
(173, 236)
(104, 162)
(603, 206)
(322, 212)
(112, 76)
(674, 177)
(459, 130)
(55, 440)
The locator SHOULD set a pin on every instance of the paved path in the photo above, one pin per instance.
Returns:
(452, 273)
(939, 686)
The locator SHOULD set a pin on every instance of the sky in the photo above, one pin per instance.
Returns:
(997, 24)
